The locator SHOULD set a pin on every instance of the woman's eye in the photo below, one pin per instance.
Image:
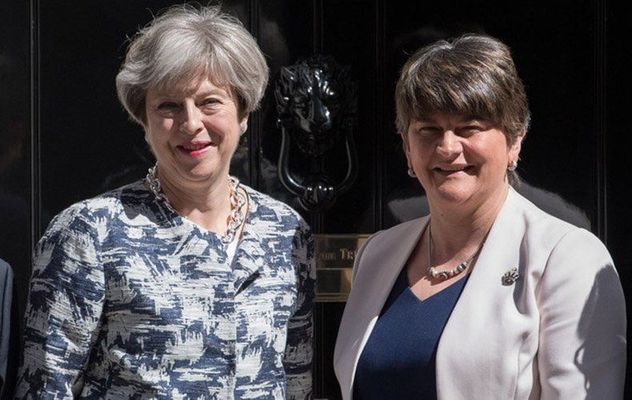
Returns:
(428, 130)
(470, 130)
(210, 101)
(168, 109)
(168, 105)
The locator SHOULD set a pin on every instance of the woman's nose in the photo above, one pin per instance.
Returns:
(191, 119)
(449, 144)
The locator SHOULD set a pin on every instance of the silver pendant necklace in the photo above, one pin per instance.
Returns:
(237, 202)
(445, 275)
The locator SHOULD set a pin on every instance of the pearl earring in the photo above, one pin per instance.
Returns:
(512, 166)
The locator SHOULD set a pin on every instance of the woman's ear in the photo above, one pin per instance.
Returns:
(406, 148)
(514, 149)
(243, 125)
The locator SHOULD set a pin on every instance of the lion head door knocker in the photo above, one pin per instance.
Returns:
(317, 103)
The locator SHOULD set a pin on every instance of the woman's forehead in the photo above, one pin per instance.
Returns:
(188, 86)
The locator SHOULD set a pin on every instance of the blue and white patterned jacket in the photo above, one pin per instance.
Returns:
(128, 300)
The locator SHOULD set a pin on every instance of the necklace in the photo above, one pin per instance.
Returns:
(445, 275)
(237, 202)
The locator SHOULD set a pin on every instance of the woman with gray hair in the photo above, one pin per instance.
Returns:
(185, 284)
(487, 297)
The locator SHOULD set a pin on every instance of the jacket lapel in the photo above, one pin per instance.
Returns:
(475, 328)
(249, 257)
(380, 262)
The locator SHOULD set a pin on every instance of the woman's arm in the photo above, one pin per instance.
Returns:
(299, 351)
(64, 308)
(582, 347)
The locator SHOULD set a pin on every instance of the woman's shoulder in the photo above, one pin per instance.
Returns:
(266, 207)
(389, 246)
(394, 235)
(553, 204)
(562, 240)
(100, 208)
(538, 220)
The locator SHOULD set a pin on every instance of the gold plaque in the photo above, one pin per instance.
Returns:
(334, 263)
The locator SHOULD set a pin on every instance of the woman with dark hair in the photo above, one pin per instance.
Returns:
(487, 297)
(186, 284)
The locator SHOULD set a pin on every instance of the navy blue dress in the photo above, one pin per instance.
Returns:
(398, 361)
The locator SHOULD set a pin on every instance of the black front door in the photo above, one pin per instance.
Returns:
(64, 137)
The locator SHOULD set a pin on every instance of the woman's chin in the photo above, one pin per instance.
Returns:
(202, 169)
(196, 174)
(448, 195)
(452, 192)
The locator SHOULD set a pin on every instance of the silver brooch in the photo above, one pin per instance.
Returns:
(510, 277)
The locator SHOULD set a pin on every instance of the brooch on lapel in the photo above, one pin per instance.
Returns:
(510, 277)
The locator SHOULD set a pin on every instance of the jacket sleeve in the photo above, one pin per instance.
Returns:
(582, 322)
(63, 311)
(300, 333)
(6, 293)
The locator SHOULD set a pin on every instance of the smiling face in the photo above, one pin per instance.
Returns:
(459, 160)
(193, 132)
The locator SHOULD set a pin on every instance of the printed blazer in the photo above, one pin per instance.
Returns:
(130, 300)
(557, 332)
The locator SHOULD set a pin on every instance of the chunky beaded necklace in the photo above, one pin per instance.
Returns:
(237, 202)
(445, 275)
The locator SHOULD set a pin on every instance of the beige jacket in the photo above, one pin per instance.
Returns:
(558, 332)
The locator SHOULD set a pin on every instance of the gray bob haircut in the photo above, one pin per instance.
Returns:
(186, 44)
(472, 75)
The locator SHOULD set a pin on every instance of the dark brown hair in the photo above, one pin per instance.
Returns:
(472, 75)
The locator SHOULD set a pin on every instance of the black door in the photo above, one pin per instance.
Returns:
(64, 137)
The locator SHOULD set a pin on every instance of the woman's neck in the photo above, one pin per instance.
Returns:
(207, 204)
(462, 229)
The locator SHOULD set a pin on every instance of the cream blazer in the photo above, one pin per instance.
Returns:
(558, 332)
